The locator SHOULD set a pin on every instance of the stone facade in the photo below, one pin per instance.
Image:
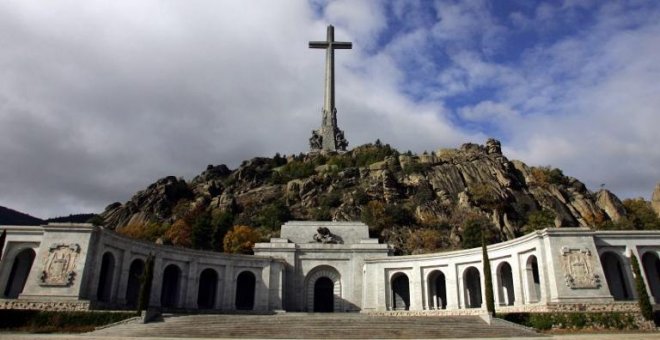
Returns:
(327, 267)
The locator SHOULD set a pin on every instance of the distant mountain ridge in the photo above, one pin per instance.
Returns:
(13, 217)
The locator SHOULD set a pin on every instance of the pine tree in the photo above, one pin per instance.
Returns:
(644, 304)
(2, 241)
(145, 284)
(488, 279)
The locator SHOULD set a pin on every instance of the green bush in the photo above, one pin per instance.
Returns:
(49, 322)
(574, 320)
(541, 321)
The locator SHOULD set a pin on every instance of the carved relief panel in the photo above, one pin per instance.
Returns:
(59, 268)
(578, 265)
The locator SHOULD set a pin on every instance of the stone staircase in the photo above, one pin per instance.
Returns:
(311, 325)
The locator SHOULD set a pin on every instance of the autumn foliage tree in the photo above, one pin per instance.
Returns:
(240, 240)
(180, 233)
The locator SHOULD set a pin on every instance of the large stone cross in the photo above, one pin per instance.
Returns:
(329, 137)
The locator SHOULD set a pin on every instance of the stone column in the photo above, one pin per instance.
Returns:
(229, 288)
(123, 278)
(416, 289)
(157, 283)
(517, 280)
(452, 286)
(220, 289)
(191, 285)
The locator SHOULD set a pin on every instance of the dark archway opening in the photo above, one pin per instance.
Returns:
(324, 297)
(19, 273)
(104, 289)
(208, 283)
(651, 265)
(507, 296)
(133, 286)
(400, 292)
(472, 282)
(169, 295)
(437, 290)
(614, 274)
(245, 284)
(533, 280)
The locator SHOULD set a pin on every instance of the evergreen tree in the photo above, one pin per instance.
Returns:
(488, 279)
(2, 241)
(644, 304)
(145, 284)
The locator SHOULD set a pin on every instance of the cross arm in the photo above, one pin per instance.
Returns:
(342, 45)
(318, 44)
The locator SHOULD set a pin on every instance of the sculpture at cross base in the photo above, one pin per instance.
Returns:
(329, 137)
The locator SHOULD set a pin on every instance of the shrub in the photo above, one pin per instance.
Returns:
(47, 322)
(641, 214)
(273, 215)
(472, 233)
(540, 219)
(240, 240)
(574, 320)
(321, 214)
(545, 175)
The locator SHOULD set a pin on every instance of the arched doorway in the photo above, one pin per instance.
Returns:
(133, 285)
(505, 291)
(615, 276)
(169, 295)
(400, 292)
(20, 270)
(104, 289)
(208, 283)
(437, 290)
(323, 290)
(472, 284)
(245, 284)
(533, 280)
(651, 265)
(324, 298)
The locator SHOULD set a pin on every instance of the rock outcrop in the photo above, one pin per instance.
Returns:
(437, 190)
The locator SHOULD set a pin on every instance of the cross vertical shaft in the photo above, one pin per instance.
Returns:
(329, 137)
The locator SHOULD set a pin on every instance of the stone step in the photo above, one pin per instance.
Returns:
(301, 325)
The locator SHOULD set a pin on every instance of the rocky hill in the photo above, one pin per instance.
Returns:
(415, 202)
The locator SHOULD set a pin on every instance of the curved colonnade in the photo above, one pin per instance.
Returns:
(537, 270)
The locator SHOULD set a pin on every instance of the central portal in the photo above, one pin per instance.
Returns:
(324, 297)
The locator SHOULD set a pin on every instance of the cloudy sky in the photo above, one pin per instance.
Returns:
(98, 99)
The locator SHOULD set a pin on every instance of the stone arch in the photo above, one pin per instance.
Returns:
(208, 286)
(615, 275)
(169, 293)
(400, 292)
(106, 275)
(533, 279)
(135, 271)
(245, 290)
(651, 265)
(20, 270)
(323, 290)
(472, 287)
(505, 291)
(437, 290)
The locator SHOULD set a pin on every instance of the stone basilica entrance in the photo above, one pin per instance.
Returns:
(324, 300)
(324, 290)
